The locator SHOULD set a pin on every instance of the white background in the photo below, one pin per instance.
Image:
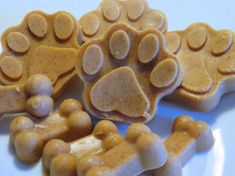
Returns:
(181, 13)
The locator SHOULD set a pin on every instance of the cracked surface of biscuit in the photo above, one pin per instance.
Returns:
(133, 72)
(41, 44)
(207, 57)
(136, 13)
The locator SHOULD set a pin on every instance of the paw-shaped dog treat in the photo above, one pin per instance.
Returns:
(140, 151)
(187, 138)
(33, 96)
(60, 158)
(41, 44)
(29, 137)
(207, 57)
(136, 13)
(126, 74)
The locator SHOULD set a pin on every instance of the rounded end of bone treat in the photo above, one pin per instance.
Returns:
(103, 128)
(63, 165)
(38, 85)
(85, 163)
(40, 106)
(149, 144)
(112, 140)
(99, 171)
(69, 106)
(51, 149)
(181, 123)
(135, 130)
(28, 146)
(18, 124)
(203, 135)
(80, 123)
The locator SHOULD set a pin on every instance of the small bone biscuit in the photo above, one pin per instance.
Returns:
(41, 44)
(207, 57)
(187, 138)
(60, 158)
(126, 73)
(140, 151)
(29, 137)
(34, 97)
(136, 13)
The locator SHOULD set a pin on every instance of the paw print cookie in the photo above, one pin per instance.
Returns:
(207, 57)
(126, 73)
(41, 44)
(136, 13)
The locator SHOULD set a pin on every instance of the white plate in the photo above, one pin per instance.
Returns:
(180, 13)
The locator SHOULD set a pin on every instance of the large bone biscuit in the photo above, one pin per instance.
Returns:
(33, 97)
(29, 137)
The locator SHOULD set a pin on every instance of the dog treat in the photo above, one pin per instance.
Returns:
(126, 73)
(106, 152)
(60, 158)
(207, 57)
(41, 44)
(136, 13)
(188, 137)
(34, 97)
(29, 137)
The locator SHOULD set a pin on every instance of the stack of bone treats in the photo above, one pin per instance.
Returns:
(127, 62)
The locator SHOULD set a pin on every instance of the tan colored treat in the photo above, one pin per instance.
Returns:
(136, 13)
(187, 138)
(41, 44)
(29, 137)
(207, 57)
(132, 73)
(105, 152)
(140, 151)
(33, 97)
(58, 156)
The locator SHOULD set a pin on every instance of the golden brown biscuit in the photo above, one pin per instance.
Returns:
(126, 73)
(41, 44)
(136, 13)
(58, 155)
(29, 137)
(187, 138)
(34, 97)
(207, 57)
(105, 152)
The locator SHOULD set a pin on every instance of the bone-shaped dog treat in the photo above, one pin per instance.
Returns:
(126, 74)
(29, 137)
(140, 151)
(60, 158)
(187, 138)
(136, 13)
(33, 97)
(41, 44)
(207, 57)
